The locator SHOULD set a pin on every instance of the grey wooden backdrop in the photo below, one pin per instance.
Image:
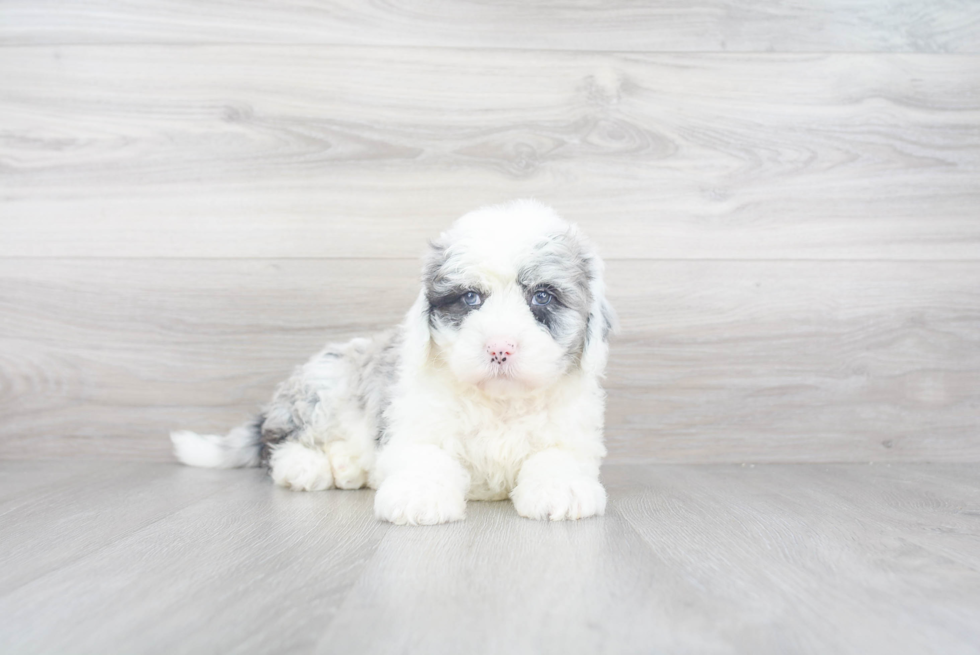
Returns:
(195, 195)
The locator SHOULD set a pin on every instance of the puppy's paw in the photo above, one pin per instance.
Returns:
(409, 499)
(346, 465)
(299, 468)
(559, 499)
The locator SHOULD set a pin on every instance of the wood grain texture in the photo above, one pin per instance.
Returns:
(769, 559)
(498, 583)
(23, 479)
(948, 495)
(267, 563)
(303, 151)
(672, 25)
(766, 361)
(44, 530)
(203, 356)
(774, 546)
(716, 361)
(194, 196)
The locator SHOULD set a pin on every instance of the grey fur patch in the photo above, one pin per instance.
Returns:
(362, 371)
(451, 310)
(445, 285)
(562, 266)
(608, 318)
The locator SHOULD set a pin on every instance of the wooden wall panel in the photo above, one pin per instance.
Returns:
(796, 361)
(665, 25)
(716, 361)
(194, 196)
(244, 151)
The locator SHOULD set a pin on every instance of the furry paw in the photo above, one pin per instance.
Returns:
(299, 468)
(346, 465)
(417, 501)
(557, 500)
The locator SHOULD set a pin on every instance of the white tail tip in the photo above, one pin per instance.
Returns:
(239, 448)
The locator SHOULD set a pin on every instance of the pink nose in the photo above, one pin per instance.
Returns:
(500, 350)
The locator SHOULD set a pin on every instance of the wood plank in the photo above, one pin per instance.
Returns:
(499, 583)
(254, 567)
(717, 361)
(24, 479)
(78, 515)
(935, 507)
(790, 568)
(302, 151)
(150, 345)
(801, 361)
(709, 25)
(710, 559)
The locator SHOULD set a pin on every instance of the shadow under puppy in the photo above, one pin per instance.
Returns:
(489, 388)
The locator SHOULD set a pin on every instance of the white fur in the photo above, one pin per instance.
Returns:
(423, 485)
(494, 427)
(233, 450)
(458, 426)
(297, 467)
(558, 484)
(345, 463)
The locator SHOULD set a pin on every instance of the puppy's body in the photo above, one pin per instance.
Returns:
(490, 387)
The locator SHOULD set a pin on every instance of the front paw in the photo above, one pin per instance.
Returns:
(558, 500)
(408, 499)
(299, 468)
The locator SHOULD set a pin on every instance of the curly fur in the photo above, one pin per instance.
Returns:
(430, 414)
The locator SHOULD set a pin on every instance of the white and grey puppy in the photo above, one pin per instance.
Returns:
(489, 388)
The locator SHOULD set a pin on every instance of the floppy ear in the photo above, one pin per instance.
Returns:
(602, 321)
(415, 348)
(418, 334)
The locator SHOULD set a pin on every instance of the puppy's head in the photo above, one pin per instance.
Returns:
(513, 299)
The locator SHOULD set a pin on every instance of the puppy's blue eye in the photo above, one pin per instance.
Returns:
(541, 298)
(472, 298)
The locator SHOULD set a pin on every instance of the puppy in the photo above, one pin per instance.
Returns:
(489, 389)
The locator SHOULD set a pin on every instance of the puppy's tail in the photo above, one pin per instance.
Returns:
(242, 447)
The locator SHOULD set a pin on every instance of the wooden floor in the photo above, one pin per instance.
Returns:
(109, 558)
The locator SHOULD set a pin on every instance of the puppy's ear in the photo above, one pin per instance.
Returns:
(602, 322)
(418, 335)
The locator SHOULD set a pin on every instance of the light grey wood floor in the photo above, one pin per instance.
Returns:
(109, 558)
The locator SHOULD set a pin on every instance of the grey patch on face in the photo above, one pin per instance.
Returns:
(451, 310)
(547, 315)
(562, 266)
(445, 286)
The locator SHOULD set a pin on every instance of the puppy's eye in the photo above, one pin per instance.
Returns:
(541, 298)
(471, 298)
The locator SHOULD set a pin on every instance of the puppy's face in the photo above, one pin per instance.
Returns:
(513, 294)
